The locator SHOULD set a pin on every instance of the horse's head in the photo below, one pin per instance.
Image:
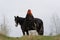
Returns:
(19, 20)
(16, 20)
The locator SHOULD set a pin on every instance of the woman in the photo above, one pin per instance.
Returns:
(29, 15)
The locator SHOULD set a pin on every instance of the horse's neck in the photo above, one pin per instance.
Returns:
(21, 21)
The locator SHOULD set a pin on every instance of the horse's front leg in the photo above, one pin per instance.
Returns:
(27, 32)
(23, 32)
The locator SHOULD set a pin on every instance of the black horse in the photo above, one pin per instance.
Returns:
(36, 24)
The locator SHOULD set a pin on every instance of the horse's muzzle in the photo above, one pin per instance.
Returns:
(16, 25)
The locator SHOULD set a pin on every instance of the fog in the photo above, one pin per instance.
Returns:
(47, 10)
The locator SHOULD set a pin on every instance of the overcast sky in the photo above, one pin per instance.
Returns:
(38, 7)
(43, 9)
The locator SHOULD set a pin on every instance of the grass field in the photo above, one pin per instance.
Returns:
(2, 37)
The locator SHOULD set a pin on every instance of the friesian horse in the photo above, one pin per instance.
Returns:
(36, 24)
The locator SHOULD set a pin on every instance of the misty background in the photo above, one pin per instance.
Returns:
(47, 10)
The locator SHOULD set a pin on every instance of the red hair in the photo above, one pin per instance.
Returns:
(29, 12)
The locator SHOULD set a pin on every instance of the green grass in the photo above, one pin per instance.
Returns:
(3, 37)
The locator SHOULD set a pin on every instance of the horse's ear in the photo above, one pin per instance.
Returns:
(14, 16)
(17, 16)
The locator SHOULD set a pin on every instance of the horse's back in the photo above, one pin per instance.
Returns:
(38, 20)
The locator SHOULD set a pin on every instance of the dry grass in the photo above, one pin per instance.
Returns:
(3, 37)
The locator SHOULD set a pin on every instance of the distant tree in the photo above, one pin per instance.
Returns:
(55, 23)
(3, 26)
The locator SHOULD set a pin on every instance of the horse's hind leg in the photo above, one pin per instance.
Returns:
(38, 32)
(41, 31)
